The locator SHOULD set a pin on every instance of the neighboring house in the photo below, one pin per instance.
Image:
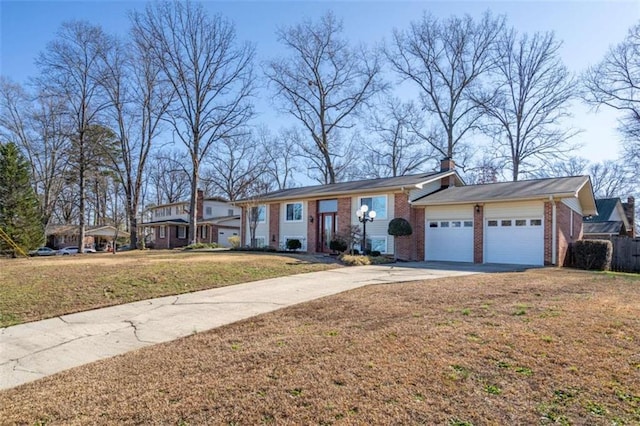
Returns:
(96, 237)
(217, 220)
(525, 222)
(614, 218)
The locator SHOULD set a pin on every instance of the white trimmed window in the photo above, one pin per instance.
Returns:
(182, 232)
(208, 211)
(377, 243)
(261, 242)
(162, 231)
(203, 231)
(377, 204)
(293, 212)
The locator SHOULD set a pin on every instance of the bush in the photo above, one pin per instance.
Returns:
(294, 244)
(399, 227)
(338, 245)
(593, 254)
(375, 253)
(351, 260)
(265, 249)
(201, 246)
(234, 241)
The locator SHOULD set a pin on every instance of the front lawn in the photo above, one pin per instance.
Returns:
(38, 288)
(542, 347)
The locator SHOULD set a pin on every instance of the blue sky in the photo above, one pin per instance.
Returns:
(587, 29)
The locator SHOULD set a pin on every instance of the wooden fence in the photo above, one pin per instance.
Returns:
(626, 254)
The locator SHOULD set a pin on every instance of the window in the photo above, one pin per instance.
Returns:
(203, 232)
(535, 222)
(293, 212)
(521, 222)
(376, 243)
(208, 211)
(327, 206)
(506, 222)
(377, 204)
(182, 232)
(433, 224)
(456, 224)
(468, 224)
(230, 212)
(162, 231)
(492, 223)
(259, 214)
(260, 242)
(444, 224)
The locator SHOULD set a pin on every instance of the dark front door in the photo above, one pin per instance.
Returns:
(327, 230)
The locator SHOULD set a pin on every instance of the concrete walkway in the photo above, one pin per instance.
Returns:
(34, 350)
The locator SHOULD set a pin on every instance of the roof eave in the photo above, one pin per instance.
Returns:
(493, 200)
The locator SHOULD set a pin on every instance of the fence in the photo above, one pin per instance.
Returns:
(626, 254)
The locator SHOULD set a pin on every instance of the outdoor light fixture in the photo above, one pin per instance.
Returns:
(364, 216)
(477, 208)
(310, 219)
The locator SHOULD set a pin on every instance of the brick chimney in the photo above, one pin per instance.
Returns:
(446, 165)
(630, 212)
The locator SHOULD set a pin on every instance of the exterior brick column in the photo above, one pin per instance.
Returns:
(403, 210)
(344, 215)
(478, 235)
(274, 225)
(548, 233)
(568, 232)
(417, 223)
(312, 228)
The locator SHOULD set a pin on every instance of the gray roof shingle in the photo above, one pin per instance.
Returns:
(613, 227)
(605, 206)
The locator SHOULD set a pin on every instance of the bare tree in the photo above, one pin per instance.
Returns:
(138, 101)
(234, 166)
(610, 179)
(39, 127)
(168, 177)
(446, 60)
(70, 73)
(393, 149)
(210, 73)
(525, 111)
(280, 155)
(323, 84)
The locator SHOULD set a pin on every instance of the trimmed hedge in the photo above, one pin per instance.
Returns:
(593, 254)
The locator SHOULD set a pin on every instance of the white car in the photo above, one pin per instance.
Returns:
(42, 251)
(74, 250)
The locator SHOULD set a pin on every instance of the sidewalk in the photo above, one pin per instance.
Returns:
(38, 349)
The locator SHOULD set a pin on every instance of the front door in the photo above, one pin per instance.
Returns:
(327, 232)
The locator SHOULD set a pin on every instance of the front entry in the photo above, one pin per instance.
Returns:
(327, 231)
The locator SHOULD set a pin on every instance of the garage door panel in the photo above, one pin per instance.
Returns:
(449, 240)
(514, 241)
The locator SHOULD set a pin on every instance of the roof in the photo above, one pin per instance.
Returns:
(359, 186)
(612, 227)
(574, 186)
(96, 230)
(605, 206)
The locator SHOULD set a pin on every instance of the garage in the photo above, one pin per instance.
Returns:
(449, 234)
(514, 234)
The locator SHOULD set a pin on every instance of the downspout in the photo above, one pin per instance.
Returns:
(554, 232)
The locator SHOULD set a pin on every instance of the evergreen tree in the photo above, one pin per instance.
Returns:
(19, 213)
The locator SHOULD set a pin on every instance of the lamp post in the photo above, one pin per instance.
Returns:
(364, 216)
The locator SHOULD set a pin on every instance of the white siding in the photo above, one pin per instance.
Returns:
(293, 229)
(573, 204)
(464, 211)
(262, 229)
(218, 209)
(523, 209)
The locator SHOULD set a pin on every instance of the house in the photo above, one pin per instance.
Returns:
(217, 220)
(614, 218)
(96, 237)
(525, 222)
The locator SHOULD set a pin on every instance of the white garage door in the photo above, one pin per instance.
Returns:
(224, 234)
(449, 240)
(514, 240)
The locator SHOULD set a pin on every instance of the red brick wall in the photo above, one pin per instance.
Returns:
(344, 215)
(312, 228)
(417, 238)
(567, 233)
(274, 225)
(403, 245)
(548, 239)
(478, 235)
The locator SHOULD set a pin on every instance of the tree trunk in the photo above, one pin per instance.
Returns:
(193, 205)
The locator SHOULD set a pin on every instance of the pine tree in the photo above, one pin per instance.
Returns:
(19, 214)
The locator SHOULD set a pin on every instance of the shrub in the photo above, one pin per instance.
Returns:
(375, 253)
(593, 254)
(338, 245)
(201, 246)
(234, 241)
(294, 244)
(399, 227)
(351, 260)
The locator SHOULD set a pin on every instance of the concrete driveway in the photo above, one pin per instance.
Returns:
(34, 350)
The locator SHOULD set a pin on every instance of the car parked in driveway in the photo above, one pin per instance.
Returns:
(74, 250)
(43, 251)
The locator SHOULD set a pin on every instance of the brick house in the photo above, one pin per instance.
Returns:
(217, 220)
(525, 222)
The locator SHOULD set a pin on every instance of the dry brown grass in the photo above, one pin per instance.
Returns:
(38, 288)
(541, 347)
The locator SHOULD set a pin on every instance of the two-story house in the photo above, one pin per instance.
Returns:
(217, 220)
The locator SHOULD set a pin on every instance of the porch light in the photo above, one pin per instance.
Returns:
(364, 216)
